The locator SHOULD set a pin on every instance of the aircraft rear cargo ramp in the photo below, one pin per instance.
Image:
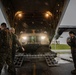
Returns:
(42, 69)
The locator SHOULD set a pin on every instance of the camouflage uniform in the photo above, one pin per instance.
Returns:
(13, 45)
(72, 43)
(14, 42)
(6, 51)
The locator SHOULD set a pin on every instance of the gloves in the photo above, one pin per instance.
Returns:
(23, 49)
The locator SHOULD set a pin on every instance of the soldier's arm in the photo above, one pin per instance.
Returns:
(68, 41)
(19, 44)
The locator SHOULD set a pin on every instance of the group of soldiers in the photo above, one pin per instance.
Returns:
(8, 41)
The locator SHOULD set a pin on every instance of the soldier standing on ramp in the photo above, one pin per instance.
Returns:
(71, 41)
(5, 49)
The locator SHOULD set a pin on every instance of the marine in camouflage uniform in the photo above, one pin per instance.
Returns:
(15, 42)
(5, 49)
(71, 41)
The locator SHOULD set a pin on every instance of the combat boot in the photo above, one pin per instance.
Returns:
(73, 71)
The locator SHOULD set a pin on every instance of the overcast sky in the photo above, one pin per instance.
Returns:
(1, 17)
(69, 16)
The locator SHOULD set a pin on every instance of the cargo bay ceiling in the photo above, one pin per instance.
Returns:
(30, 14)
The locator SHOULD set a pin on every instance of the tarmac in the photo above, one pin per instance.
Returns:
(42, 69)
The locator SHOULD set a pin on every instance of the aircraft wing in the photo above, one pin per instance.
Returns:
(65, 28)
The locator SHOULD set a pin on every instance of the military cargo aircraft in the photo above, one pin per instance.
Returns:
(36, 22)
